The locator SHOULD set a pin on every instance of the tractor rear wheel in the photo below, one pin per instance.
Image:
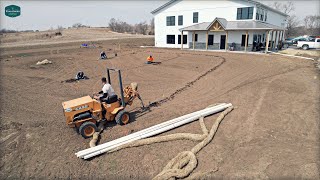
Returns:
(87, 129)
(123, 117)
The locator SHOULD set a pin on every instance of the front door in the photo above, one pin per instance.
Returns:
(223, 42)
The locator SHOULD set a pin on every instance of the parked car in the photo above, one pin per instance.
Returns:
(288, 42)
(297, 39)
(309, 44)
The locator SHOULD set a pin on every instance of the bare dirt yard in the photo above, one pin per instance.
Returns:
(310, 53)
(273, 132)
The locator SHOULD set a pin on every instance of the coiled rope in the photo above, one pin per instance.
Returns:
(185, 162)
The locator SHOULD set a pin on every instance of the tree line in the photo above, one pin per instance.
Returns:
(140, 28)
(310, 25)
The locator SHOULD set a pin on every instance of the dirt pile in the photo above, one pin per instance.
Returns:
(44, 62)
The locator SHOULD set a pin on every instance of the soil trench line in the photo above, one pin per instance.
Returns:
(185, 87)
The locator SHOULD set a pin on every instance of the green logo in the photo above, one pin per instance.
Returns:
(12, 11)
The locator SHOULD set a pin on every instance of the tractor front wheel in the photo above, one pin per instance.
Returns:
(87, 129)
(123, 117)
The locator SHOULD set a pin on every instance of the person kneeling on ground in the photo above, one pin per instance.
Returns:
(103, 55)
(149, 59)
(80, 75)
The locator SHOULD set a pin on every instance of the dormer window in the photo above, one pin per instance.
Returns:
(265, 15)
(245, 13)
(261, 14)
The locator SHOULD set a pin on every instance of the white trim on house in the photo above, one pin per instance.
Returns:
(237, 18)
(254, 2)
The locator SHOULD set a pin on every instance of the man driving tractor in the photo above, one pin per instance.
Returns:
(86, 113)
(106, 93)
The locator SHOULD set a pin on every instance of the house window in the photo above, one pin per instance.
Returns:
(171, 20)
(263, 37)
(196, 37)
(243, 40)
(255, 38)
(171, 39)
(265, 15)
(261, 14)
(184, 39)
(210, 39)
(259, 38)
(195, 17)
(245, 13)
(257, 14)
(180, 20)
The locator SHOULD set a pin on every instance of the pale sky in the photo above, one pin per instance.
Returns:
(42, 15)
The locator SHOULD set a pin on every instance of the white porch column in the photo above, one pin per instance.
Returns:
(207, 40)
(246, 41)
(276, 40)
(226, 45)
(193, 40)
(267, 41)
(279, 38)
(181, 40)
(271, 39)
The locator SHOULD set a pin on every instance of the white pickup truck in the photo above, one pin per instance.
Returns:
(314, 43)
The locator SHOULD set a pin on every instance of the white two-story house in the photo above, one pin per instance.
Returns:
(238, 24)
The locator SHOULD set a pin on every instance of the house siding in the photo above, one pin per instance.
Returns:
(208, 11)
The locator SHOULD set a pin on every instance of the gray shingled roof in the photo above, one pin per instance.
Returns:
(233, 25)
(252, 1)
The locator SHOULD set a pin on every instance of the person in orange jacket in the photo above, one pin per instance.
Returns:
(149, 59)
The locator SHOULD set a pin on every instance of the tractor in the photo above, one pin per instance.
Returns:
(85, 113)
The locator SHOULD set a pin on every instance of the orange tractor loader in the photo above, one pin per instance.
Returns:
(86, 113)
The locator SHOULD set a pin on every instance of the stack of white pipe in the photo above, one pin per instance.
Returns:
(151, 131)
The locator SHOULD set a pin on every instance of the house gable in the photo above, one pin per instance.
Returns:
(216, 26)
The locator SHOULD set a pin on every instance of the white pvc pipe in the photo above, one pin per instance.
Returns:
(150, 129)
(158, 131)
(133, 135)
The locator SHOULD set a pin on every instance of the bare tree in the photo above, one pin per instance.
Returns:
(60, 28)
(77, 25)
(7, 31)
(152, 27)
(142, 28)
(288, 8)
(312, 24)
(120, 26)
(112, 24)
(292, 22)
(123, 27)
